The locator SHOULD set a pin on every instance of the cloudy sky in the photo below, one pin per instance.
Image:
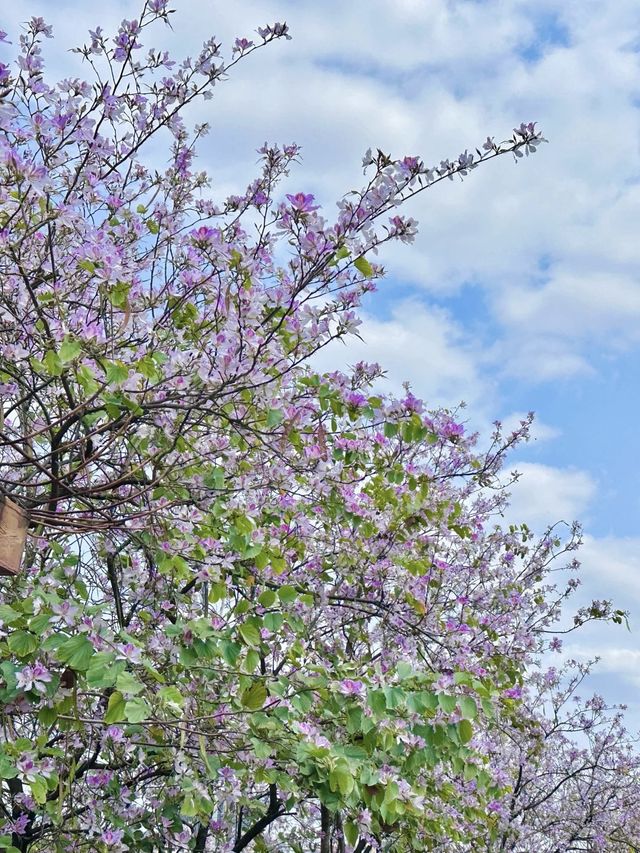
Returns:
(522, 289)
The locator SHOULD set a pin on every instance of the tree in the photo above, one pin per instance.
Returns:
(260, 607)
(573, 771)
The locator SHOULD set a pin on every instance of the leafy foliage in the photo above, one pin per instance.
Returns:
(261, 607)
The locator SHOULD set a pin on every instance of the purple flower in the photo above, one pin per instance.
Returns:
(34, 678)
(354, 398)
(241, 45)
(47, 767)
(276, 30)
(409, 164)
(65, 613)
(351, 688)
(465, 159)
(20, 824)
(525, 129)
(412, 404)
(38, 25)
(556, 644)
(129, 652)
(111, 837)
(100, 779)
(497, 807)
(204, 234)
(114, 733)
(26, 767)
(302, 202)
(513, 693)
(453, 430)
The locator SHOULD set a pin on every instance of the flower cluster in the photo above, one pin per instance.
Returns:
(258, 604)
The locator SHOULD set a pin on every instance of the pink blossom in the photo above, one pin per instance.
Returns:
(352, 688)
(302, 202)
(34, 677)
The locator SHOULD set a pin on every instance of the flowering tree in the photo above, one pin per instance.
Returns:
(260, 607)
(573, 771)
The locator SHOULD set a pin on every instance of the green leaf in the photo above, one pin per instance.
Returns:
(422, 701)
(465, 731)
(117, 373)
(76, 652)
(357, 753)
(249, 633)
(468, 707)
(47, 716)
(363, 266)
(230, 651)
(104, 670)
(266, 598)
(351, 832)
(252, 661)
(278, 565)
(119, 294)
(52, 363)
(148, 367)
(189, 807)
(126, 683)
(214, 478)
(274, 417)
(404, 669)
(394, 697)
(171, 696)
(39, 790)
(377, 701)
(255, 696)
(22, 643)
(273, 621)
(287, 594)
(470, 772)
(87, 380)
(341, 780)
(69, 350)
(8, 615)
(447, 703)
(115, 708)
(341, 254)
(7, 768)
(38, 624)
(488, 708)
(137, 710)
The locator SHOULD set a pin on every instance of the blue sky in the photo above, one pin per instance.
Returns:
(522, 291)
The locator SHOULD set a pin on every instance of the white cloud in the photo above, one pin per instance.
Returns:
(545, 495)
(422, 345)
(619, 660)
(572, 304)
(613, 563)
